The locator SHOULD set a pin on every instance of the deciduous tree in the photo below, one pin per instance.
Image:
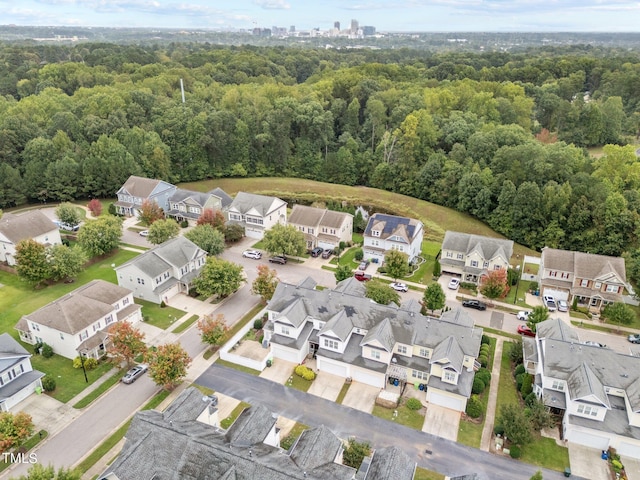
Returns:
(65, 262)
(207, 238)
(40, 472)
(265, 283)
(31, 261)
(343, 272)
(381, 293)
(539, 416)
(213, 330)
(434, 297)
(150, 212)
(14, 429)
(162, 230)
(284, 240)
(69, 214)
(233, 232)
(167, 364)
(516, 425)
(355, 453)
(125, 342)
(537, 315)
(619, 313)
(397, 264)
(212, 217)
(494, 284)
(100, 236)
(95, 207)
(218, 277)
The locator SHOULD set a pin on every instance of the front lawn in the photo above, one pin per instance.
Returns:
(161, 317)
(240, 368)
(405, 416)
(299, 383)
(293, 435)
(424, 474)
(227, 422)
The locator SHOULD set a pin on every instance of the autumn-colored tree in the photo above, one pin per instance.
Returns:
(167, 364)
(494, 284)
(125, 342)
(218, 277)
(265, 283)
(546, 137)
(149, 212)
(14, 429)
(95, 207)
(212, 217)
(213, 330)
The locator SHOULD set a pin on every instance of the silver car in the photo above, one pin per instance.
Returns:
(133, 374)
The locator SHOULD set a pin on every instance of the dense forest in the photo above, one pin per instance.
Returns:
(501, 136)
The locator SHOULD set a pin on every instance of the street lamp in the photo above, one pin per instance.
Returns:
(515, 298)
(83, 369)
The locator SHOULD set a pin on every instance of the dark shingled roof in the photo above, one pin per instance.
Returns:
(390, 463)
(392, 225)
(26, 225)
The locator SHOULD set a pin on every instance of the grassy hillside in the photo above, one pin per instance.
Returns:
(436, 219)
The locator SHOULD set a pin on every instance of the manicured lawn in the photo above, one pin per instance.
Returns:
(357, 238)
(227, 422)
(347, 258)
(235, 366)
(424, 474)
(69, 381)
(545, 452)
(410, 418)
(293, 435)
(186, 324)
(299, 383)
(110, 382)
(507, 392)
(436, 219)
(157, 316)
(343, 393)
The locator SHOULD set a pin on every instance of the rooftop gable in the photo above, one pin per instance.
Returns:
(316, 447)
(584, 265)
(143, 187)
(488, 247)
(583, 384)
(261, 204)
(251, 427)
(307, 216)
(389, 225)
(10, 348)
(448, 353)
(176, 252)
(25, 226)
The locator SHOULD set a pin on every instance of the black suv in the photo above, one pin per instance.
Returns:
(281, 259)
(316, 252)
(474, 304)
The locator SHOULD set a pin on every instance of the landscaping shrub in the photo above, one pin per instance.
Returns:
(89, 363)
(484, 375)
(47, 351)
(530, 399)
(184, 224)
(382, 270)
(519, 380)
(37, 347)
(305, 372)
(48, 383)
(162, 304)
(359, 254)
(469, 286)
(478, 386)
(527, 385)
(515, 451)
(112, 209)
(437, 269)
(414, 404)
(257, 324)
(261, 338)
(474, 407)
(519, 369)
(483, 360)
(486, 340)
(498, 429)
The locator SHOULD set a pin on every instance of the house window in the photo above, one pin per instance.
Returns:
(332, 344)
(424, 352)
(125, 301)
(588, 410)
(598, 285)
(486, 265)
(612, 288)
(375, 354)
(449, 377)
(419, 375)
(375, 233)
(117, 306)
(553, 273)
(474, 263)
(301, 229)
(235, 216)
(255, 221)
(402, 349)
(557, 385)
(460, 256)
(449, 255)
(564, 275)
(140, 281)
(61, 336)
(285, 330)
(35, 327)
(83, 335)
(311, 230)
(584, 282)
(108, 320)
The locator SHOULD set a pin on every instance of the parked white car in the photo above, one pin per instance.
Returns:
(144, 233)
(563, 306)
(255, 254)
(550, 303)
(399, 287)
(454, 283)
(523, 316)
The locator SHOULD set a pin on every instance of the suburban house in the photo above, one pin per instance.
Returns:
(257, 213)
(159, 274)
(189, 205)
(137, 190)
(473, 256)
(33, 225)
(18, 379)
(595, 280)
(78, 322)
(354, 337)
(389, 232)
(595, 390)
(321, 227)
(180, 443)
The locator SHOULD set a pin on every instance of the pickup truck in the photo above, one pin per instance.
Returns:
(362, 277)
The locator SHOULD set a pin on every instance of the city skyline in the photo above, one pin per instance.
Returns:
(399, 15)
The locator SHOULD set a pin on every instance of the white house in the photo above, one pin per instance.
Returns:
(136, 190)
(78, 322)
(389, 232)
(353, 337)
(33, 225)
(595, 390)
(164, 271)
(18, 379)
(257, 213)
(322, 227)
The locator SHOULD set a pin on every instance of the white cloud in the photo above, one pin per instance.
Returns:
(272, 4)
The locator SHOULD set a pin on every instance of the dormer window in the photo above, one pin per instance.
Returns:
(402, 349)
(375, 233)
(449, 376)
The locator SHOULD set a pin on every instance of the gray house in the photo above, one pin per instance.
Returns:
(174, 444)
(136, 190)
(164, 271)
(18, 379)
(257, 213)
(189, 205)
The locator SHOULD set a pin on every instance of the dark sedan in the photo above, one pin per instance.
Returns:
(478, 305)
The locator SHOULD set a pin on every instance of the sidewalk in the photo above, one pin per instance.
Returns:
(490, 414)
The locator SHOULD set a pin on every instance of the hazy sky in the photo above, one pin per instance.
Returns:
(385, 15)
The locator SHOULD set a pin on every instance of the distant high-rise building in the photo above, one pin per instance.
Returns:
(368, 31)
(292, 29)
(354, 26)
(336, 25)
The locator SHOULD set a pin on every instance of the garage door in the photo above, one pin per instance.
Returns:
(557, 294)
(367, 377)
(631, 450)
(589, 440)
(445, 401)
(285, 353)
(338, 369)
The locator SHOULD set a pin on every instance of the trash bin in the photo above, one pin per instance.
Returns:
(268, 363)
(567, 472)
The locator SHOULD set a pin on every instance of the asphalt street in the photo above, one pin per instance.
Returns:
(427, 450)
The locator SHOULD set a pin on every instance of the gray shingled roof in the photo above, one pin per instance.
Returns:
(316, 447)
(333, 219)
(583, 383)
(448, 353)
(176, 252)
(9, 347)
(303, 215)
(251, 427)
(340, 325)
(75, 311)
(263, 204)
(383, 333)
(225, 199)
(139, 186)
(584, 265)
(390, 463)
(467, 243)
(26, 225)
(557, 329)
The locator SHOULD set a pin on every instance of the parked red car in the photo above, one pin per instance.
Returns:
(362, 277)
(524, 330)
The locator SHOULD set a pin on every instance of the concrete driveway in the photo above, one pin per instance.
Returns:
(327, 386)
(587, 462)
(361, 397)
(632, 467)
(279, 372)
(442, 422)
